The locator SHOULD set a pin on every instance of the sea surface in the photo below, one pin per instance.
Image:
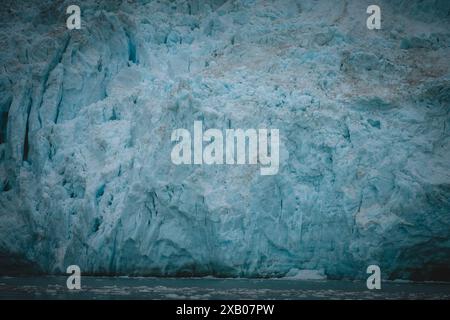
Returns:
(54, 287)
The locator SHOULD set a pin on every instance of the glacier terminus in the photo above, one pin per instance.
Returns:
(360, 174)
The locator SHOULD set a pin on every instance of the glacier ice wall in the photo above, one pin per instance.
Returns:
(86, 119)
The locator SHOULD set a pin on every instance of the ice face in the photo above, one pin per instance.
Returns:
(363, 118)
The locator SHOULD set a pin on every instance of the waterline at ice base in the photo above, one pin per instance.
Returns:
(345, 104)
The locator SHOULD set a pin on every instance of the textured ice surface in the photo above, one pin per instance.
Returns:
(296, 274)
(86, 119)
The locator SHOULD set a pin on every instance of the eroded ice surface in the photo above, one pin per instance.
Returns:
(86, 119)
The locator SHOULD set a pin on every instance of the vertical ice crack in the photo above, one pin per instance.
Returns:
(57, 59)
(26, 146)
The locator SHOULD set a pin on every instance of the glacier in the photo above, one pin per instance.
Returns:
(364, 119)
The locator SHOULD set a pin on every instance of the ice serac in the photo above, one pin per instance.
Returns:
(86, 119)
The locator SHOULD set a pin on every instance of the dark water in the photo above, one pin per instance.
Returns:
(54, 287)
